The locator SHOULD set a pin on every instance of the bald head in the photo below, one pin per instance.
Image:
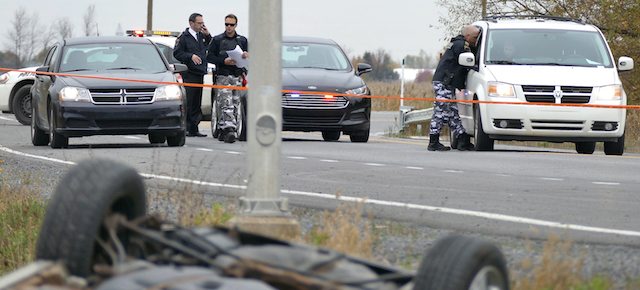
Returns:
(470, 33)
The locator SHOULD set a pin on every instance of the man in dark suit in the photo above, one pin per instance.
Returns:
(191, 49)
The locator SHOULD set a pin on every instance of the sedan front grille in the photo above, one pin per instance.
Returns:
(122, 96)
(309, 101)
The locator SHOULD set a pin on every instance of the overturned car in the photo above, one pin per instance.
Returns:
(96, 235)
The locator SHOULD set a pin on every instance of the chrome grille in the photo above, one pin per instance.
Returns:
(545, 94)
(309, 101)
(122, 96)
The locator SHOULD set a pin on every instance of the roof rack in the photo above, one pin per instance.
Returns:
(496, 17)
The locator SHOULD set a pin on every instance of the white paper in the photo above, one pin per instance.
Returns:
(236, 55)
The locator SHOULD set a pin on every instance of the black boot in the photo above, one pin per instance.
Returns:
(230, 136)
(435, 145)
(464, 143)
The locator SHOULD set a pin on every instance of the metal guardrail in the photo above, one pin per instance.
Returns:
(409, 116)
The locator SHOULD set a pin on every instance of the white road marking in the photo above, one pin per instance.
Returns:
(374, 164)
(503, 175)
(552, 178)
(462, 212)
(329, 160)
(414, 168)
(453, 171)
(131, 137)
(8, 119)
(605, 183)
(297, 157)
(233, 152)
(204, 149)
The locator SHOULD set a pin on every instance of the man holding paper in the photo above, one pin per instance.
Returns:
(229, 52)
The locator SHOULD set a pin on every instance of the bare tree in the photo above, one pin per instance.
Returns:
(89, 20)
(63, 28)
(16, 35)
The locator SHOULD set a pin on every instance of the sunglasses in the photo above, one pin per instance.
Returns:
(229, 24)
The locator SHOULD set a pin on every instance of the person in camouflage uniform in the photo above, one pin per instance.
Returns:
(228, 102)
(449, 77)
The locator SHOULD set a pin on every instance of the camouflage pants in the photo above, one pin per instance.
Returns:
(445, 112)
(228, 102)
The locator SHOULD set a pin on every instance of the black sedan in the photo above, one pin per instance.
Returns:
(313, 65)
(313, 70)
(74, 106)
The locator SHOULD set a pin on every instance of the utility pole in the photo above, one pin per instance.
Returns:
(484, 8)
(149, 14)
(262, 210)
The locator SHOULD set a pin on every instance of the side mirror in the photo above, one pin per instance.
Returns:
(363, 68)
(178, 67)
(467, 59)
(43, 69)
(625, 63)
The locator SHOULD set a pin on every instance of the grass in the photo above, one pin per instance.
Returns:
(21, 214)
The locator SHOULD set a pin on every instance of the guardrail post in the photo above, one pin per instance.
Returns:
(262, 210)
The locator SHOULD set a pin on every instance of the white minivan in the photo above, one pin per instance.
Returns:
(550, 72)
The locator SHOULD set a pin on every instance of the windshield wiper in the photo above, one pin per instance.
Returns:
(503, 62)
(123, 68)
(325, 68)
(78, 69)
(551, 63)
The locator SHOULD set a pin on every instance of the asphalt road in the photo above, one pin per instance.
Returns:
(516, 191)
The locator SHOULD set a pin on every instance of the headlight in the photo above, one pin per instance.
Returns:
(358, 91)
(4, 77)
(609, 93)
(168, 93)
(73, 94)
(501, 90)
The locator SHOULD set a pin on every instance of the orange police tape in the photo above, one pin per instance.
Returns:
(631, 107)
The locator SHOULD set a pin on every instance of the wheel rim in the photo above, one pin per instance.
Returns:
(26, 105)
(488, 278)
(33, 123)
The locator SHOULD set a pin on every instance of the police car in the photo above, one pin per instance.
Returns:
(165, 41)
(15, 95)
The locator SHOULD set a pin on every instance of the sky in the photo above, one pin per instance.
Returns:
(401, 27)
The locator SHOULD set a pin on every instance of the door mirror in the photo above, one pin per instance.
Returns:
(363, 68)
(43, 69)
(179, 67)
(467, 59)
(625, 63)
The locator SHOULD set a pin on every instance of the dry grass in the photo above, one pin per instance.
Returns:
(21, 214)
(392, 90)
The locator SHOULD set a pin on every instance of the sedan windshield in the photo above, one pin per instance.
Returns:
(112, 56)
(313, 55)
(546, 47)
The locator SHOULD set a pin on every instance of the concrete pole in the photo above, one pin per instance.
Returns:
(263, 210)
(149, 14)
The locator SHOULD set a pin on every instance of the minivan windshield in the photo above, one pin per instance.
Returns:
(546, 47)
(314, 55)
(112, 57)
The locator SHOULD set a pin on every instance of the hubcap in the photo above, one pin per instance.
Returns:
(488, 278)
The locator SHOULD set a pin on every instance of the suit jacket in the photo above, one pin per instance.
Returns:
(186, 46)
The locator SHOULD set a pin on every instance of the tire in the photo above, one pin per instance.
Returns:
(585, 147)
(21, 105)
(56, 140)
(242, 121)
(483, 142)
(176, 141)
(38, 136)
(330, 135)
(453, 141)
(215, 131)
(359, 136)
(155, 138)
(459, 262)
(84, 197)
(614, 148)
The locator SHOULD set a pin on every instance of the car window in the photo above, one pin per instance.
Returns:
(547, 46)
(112, 56)
(312, 55)
(167, 52)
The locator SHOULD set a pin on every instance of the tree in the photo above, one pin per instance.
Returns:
(17, 31)
(63, 28)
(89, 20)
(422, 60)
(381, 64)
